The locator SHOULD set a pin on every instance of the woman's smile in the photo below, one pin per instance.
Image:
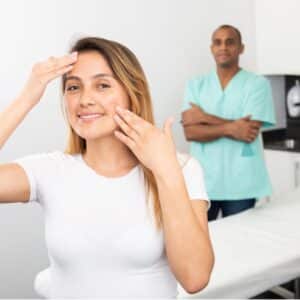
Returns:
(88, 118)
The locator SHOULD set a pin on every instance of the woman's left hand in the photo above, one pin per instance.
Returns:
(153, 147)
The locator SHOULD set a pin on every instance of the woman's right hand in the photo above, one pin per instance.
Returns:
(43, 72)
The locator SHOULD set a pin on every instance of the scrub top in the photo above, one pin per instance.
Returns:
(233, 169)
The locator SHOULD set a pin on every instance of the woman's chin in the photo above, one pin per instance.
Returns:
(97, 135)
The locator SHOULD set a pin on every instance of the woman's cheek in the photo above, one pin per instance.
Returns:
(111, 107)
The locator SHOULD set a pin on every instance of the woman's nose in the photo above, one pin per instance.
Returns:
(86, 100)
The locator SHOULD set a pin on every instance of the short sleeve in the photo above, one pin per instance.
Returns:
(191, 93)
(36, 167)
(259, 102)
(194, 180)
(187, 97)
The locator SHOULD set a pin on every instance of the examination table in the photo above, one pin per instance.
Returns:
(255, 250)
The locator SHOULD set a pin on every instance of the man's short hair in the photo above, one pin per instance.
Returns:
(227, 26)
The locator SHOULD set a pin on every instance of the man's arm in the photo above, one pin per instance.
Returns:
(203, 127)
(242, 129)
(205, 133)
(196, 115)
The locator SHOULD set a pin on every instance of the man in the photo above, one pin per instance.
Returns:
(223, 114)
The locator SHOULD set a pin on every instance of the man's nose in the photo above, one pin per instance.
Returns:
(223, 45)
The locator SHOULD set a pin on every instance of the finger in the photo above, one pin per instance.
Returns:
(67, 59)
(55, 64)
(134, 121)
(49, 65)
(127, 130)
(168, 126)
(254, 131)
(58, 73)
(126, 140)
(251, 137)
(255, 126)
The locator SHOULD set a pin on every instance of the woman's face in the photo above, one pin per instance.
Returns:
(91, 95)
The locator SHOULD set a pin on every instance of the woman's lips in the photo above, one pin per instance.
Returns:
(90, 117)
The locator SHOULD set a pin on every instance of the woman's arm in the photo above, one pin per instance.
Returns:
(14, 184)
(185, 225)
(188, 245)
(11, 117)
(42, 73)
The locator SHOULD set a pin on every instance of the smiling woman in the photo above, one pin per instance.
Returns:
(90, 96)
(119, 218)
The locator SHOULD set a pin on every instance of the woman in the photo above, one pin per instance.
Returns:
(119, 219)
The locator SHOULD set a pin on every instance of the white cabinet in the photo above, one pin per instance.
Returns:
(277, 36)
(284, 171)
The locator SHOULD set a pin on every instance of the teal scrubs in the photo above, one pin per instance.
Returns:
(233, 170)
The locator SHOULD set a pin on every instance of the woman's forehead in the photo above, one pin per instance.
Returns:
(90, 64)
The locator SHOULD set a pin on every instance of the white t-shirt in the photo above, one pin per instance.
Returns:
(100, 234)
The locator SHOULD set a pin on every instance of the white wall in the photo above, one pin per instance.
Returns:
(171, 39)
(277, 34)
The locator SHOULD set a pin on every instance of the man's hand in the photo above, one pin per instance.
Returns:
(194, 115)
(244, 129)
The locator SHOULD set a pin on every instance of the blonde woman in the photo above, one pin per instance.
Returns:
(125, 214)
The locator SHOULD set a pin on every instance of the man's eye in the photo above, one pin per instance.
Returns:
(230, 42)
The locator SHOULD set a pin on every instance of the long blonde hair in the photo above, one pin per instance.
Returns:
(128, 71)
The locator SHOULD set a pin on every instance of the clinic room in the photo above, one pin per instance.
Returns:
(173, 123)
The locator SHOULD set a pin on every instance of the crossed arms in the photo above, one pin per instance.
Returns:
(203, 127)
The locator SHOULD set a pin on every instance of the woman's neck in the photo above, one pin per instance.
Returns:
(109, 155)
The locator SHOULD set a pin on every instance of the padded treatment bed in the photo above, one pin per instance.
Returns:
(254, 250)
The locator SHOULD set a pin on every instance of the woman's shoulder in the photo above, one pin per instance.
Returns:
(50, 158)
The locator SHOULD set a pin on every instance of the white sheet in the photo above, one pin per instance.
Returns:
(254, 250)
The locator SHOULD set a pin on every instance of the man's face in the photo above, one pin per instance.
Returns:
(226, 47)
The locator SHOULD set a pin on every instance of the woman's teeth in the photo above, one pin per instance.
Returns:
(93, 116)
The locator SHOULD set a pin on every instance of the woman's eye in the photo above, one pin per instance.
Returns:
(103, 85)
(72, 88)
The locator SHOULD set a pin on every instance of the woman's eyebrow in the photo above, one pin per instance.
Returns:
(100, 75)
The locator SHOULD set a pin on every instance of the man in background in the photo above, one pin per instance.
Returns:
(224, 112)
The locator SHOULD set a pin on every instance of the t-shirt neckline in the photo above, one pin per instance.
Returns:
(115, 178)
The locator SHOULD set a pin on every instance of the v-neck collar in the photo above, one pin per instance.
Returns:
(230, 82)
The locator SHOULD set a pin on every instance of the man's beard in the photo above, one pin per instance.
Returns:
(226, 65)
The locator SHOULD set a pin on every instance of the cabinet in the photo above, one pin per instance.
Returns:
(284, 172)
(277, 36)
